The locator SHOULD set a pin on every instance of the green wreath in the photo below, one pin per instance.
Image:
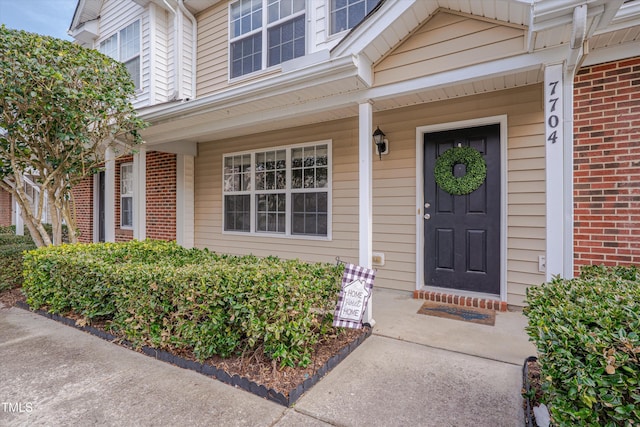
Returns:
(471, 181)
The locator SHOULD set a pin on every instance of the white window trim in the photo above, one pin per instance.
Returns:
(264, 30)
(288, 191)
(131, 195)
(119, 59)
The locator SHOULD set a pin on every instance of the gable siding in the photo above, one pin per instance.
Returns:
(446, 42)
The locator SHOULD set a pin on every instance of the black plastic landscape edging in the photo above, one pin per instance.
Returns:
(528, 410)
(211, 370)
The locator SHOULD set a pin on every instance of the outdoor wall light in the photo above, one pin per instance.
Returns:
(382, 144)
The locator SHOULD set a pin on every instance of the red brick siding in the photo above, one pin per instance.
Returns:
(161, 195)
(5, 208)
(83, 202)
(607, 164)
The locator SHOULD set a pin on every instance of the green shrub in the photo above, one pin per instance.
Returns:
(159, 294)
(587, 334)
(11, 249)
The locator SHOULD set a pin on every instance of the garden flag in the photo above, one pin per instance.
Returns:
(357, 285)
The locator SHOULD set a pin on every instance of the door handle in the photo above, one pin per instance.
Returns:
(427, 216)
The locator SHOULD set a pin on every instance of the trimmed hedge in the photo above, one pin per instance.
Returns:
(11, 249)
(159, 294)
(587, 334)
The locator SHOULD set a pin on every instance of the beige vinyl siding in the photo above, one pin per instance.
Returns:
(445, 42)
(394, 189)
(208, 195)
(213, 36)
(394, 185)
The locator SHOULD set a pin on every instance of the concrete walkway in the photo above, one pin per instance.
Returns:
(414, 370)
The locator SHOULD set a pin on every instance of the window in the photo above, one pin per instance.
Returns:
(126, 195)
(282, 191)
(124, 46)
(276, 27)
(346, 14)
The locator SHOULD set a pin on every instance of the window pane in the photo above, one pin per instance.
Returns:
(270, 208)
(309, 214)
(346, 14)
(246, 16)
(246, 55)
(130, 41)
(133, 67)
(110, 47)
(237, 173)
(126, 179)
(126, 211)
(236, 211)
(282, 39)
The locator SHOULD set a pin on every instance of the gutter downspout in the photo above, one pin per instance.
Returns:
(176, 56)
(194, 45)
(576, 54)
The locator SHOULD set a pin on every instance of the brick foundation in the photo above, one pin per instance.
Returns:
(461, 300)
(607, 164)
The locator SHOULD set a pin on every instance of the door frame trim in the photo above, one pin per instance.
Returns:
(420, 132)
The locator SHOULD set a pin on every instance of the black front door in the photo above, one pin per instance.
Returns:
(462, 233)
(101, 207)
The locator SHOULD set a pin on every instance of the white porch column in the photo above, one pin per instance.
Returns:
(110, 195)
(554, 88)
(185, 200)
(140, 194)
(366, 194)
(568, 176)
(19, 220)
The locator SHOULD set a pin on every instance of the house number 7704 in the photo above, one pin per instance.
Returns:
(553, 121)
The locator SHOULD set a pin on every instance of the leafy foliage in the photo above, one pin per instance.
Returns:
(587, 334)
(11, 249)
(160, 294)
(471, 181)
(61, 106)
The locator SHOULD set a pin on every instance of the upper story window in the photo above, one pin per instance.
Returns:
(346, 14)
(263, 33)
(124, 46)
(282, 191)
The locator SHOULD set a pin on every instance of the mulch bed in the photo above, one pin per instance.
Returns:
(532, 389)
(252, 371)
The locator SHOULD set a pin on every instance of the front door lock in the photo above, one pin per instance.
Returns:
(427, 216)
(427, 205)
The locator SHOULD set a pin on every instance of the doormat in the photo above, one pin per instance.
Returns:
(482, 316)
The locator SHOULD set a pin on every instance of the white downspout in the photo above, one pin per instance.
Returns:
(578, 37)
(194, 45)
(176, 56)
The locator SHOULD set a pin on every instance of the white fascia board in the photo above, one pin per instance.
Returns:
(609, 54)
(370, 28)
(187, 148)
(167, 132)
(297, 81)
(471, 73)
